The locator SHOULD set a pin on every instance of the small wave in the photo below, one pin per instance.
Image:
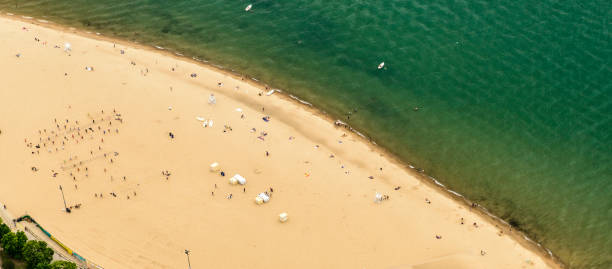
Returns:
(438, 182)
(359, 134)
(455, 193)
(300, 100)
(10, 14)
(26, 17)
(531, 241)
(160, 48)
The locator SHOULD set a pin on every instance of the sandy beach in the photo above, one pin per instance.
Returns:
(121, 129)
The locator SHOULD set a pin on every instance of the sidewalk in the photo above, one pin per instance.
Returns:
(34, 233)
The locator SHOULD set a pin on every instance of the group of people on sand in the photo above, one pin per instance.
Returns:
(67, 131)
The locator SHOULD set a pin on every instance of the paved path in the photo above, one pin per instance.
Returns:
(34, 233)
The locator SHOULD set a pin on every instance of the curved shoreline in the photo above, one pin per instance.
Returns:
(518, 236)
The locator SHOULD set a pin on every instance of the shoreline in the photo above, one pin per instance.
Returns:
(517, 235)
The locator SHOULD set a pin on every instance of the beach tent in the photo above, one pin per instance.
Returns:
(241, 180)
(237, 179)
(214, 167)
(67, 47)
(378, 198)
(262, 198)
(282, 217)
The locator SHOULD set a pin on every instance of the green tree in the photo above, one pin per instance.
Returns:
(13, 244)
(62, 265)
(37, 254)
(4, 230)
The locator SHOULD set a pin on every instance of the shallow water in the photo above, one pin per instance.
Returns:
(515, 98)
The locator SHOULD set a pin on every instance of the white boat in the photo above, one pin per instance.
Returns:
(381, 65)
(248, 7)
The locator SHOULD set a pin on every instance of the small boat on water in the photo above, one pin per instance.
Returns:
(381, 65)
(248, 7)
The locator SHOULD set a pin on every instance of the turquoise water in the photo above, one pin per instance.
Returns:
(515, 97)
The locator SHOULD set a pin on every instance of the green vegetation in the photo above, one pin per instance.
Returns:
(63, 265)
(16, 248)
(37, 254)
(3, 229)
(9, 263)
(13, 243)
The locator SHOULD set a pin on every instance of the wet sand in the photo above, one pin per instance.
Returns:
(143, 107)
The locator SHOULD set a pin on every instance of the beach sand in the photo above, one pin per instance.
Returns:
(320, 173)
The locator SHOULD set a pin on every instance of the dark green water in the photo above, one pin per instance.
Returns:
(515, 96)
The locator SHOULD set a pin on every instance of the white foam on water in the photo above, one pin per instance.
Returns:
(455, 193)
(300, 100)
(438, 183)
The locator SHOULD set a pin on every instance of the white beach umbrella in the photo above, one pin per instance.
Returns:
(67, 47)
